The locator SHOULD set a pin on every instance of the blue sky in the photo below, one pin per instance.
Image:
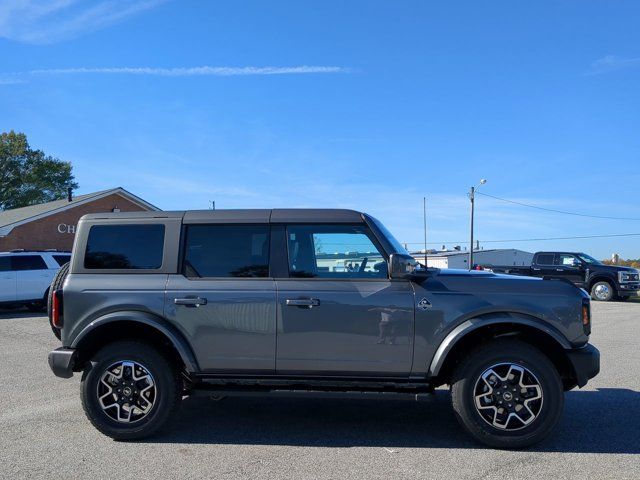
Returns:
(362, 104)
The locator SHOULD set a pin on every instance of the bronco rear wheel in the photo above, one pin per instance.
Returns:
(507, 394)
(131, 391)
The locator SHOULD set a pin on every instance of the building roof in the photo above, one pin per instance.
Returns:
(17, 216)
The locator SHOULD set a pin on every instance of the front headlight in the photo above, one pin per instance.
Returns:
(628, 276)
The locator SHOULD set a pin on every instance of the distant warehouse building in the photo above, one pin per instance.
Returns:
(52, 225)
(460, 259)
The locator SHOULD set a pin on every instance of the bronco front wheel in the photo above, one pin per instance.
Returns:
(130, 391)
(507, 394)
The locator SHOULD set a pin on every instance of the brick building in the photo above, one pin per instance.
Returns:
(52, 225)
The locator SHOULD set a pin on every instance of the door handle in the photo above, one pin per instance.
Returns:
(190, 301)
(536, 269)
(303, 302)
(559, 270)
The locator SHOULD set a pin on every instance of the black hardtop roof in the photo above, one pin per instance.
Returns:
(276, 215)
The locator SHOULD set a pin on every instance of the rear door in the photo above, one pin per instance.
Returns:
(223, 298)
(32, 276)
(7, 280)
(544, 264)
(339, 314)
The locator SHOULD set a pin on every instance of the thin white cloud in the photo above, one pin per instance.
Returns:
(611, 62)
(48, 21)
(192, 71)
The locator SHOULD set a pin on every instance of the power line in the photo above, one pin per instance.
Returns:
(556, 211)
(536, 239)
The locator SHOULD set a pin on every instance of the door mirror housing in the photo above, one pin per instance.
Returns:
(576, 263)
(403, 266)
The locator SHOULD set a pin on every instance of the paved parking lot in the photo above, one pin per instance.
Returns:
(44, 433)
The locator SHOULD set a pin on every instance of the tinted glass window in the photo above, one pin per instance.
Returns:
(28, 262)
(226, 251)
(545, 259)
(125, 247)
(340, 251)
(62, 259)
(566, 260)
(5, 264)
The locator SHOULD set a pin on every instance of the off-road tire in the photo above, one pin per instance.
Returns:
(469, 371)
(56, 284)
(166, 378)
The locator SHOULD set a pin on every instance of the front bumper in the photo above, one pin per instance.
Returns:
(586, 363)
(62, 360)
(628, 289)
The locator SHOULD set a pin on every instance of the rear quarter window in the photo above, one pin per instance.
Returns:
(62, 259)
(124, 247)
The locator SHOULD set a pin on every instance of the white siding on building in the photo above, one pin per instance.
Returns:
(507, 256)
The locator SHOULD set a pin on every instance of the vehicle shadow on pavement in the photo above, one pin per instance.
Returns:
(602, 421)
(6, 314)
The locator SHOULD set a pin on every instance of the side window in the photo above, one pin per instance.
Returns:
(5, 264)
(334, 251)
(545, 259)
(565, 260)
(28, 262)
(226, 251)
(62, 259)
(125, 247)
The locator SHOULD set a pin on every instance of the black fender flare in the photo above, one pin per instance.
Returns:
(602, 277)
(473, 324)
(169, 331)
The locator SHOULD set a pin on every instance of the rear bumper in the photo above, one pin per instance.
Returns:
(62, 361)
(586, 363)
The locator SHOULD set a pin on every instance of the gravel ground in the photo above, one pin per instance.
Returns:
(44, 433)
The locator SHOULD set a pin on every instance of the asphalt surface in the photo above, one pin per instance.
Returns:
(44, 433)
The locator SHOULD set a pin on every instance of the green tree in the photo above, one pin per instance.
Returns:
(29, 176)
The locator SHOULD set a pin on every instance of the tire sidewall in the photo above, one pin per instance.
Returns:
(165, 383)
(553, 397)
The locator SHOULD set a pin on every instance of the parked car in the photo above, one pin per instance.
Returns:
(25, 277)
(603, 282)
(159, 305)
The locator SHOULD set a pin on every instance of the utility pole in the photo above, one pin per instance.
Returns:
(424, 214)
(472, 193)
(472, 198)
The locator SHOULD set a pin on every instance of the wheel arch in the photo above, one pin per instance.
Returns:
(472, 332)
(134, 325)
(602, 278)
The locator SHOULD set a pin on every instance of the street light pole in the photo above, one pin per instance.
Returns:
(472, 199)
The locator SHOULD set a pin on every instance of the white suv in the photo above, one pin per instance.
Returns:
(25, 276)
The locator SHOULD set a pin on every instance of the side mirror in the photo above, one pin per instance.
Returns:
(402, 266)
(576, 263)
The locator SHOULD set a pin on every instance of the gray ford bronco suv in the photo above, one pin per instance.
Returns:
(155, 306)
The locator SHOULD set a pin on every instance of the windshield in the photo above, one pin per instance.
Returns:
(397, 246)
(586, 258)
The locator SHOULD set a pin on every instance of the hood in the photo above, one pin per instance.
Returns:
(613, 268)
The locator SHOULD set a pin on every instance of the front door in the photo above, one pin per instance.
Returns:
(570, 267)
(338, 312)
(7, 280)
(224, 300)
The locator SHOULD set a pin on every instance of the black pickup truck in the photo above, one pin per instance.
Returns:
(603, 282)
